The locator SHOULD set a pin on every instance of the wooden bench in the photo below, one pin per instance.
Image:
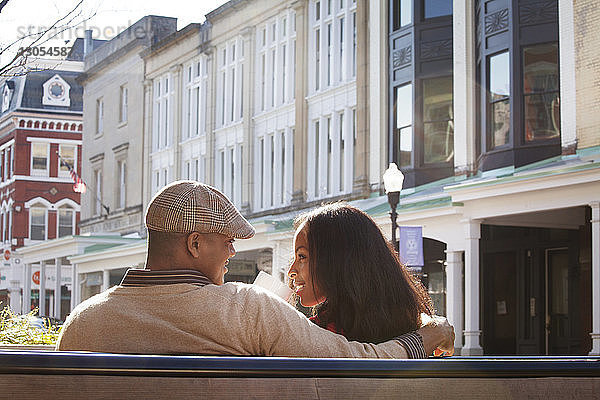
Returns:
(83, 375)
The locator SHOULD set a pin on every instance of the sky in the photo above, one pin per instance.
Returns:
(106, 17)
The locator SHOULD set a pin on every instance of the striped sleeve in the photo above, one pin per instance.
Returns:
(413, 343)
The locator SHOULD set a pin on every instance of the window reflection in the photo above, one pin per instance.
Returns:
(404, 122)
(541, 92)
(437, 8)
(438, 124)
(499, 100)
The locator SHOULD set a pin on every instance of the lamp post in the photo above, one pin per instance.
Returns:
(393, 179)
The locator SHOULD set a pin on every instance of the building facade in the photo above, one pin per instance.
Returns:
(40, 142)
(486, 106)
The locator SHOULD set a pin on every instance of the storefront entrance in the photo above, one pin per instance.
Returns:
(535, 297)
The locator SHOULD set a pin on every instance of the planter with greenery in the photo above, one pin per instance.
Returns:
(26, 331)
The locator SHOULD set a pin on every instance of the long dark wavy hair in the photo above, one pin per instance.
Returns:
(371, 297)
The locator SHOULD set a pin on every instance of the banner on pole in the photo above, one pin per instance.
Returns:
(411, 246)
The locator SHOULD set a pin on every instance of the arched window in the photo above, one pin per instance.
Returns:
(38, 219)
(66, 221)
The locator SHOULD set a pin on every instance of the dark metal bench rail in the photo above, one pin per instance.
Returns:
(105, 364)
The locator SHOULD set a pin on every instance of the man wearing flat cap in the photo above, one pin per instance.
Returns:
(179, 303)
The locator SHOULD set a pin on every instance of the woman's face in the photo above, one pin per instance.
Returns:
(299, 272)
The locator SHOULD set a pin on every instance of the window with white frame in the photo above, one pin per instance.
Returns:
(276, 64)
(38, 218)
(230, 77)
(11, 165)
(97, 202)
(331, 143)
(162, 113)
(9, 227)
(121, 182)
(39, 158)
(228, 171)
(123, 104)
(274, 169)
(329, 38)
(6, 163)
(195, 97)
(66, 221)
(68, 157)
(99, 116)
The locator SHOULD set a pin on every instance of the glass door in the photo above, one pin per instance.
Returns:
(557, 326)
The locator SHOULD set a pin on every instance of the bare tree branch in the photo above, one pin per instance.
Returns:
(16, 66)
(2, 4)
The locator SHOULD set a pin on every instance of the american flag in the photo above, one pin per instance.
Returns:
(78, 183)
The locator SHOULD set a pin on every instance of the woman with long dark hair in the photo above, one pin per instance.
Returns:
(348, 271)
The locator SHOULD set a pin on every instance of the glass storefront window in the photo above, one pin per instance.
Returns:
(438, 124)
(541, 92)
(499, 100)
(404, 122)
(437, 8)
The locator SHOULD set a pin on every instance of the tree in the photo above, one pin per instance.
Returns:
(22, 46)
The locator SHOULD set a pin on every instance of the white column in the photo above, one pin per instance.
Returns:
(105, 279)
(26, 305)
(454, 296)
(74, 286)
(472, 332)
(57, 288)
(568, 91)
(595, 278)
(464, 85)
(14, 292)
(42, 291)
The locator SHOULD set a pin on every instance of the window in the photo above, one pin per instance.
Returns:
(317, 176)
(6, 159)
(67, 158)
(317, 59)
(123, 105)
(194, 103)
(99, 116)
(66, 221)
(37, 223)
(541, 92)
(121, 182)
(404, 124)
(438, 124)
(97, 202)
(39, 158)
(230, 83)
(403, 10)
(499, 100)
(162, 115)
(437, 8)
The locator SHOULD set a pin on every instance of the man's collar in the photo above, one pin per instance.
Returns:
(145, 277)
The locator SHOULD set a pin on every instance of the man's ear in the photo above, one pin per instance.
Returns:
(193, 244)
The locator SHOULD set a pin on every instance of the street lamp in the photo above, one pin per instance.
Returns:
(392, 182)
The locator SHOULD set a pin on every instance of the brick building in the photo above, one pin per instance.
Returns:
(40, 119)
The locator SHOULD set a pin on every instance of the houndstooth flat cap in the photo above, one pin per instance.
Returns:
(190, 206)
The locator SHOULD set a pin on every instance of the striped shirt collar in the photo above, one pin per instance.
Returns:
(145, 277)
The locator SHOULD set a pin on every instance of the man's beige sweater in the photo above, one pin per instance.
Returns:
(234, 319)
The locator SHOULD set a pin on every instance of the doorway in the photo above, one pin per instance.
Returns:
(529, 284)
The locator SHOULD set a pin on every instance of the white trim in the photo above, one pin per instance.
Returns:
(49, 179)
(7, 144)
(69, 202)
(73, 142)
(38, 199)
